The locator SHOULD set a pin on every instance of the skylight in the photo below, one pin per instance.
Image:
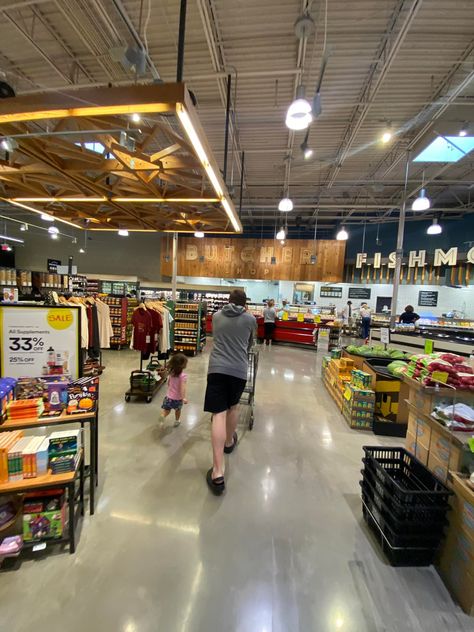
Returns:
(94, 146)
(446, 149)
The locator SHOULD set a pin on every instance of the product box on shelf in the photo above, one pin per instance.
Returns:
(7, 393)
(361, 379)
(55, 393)
(7, 441)
(44, 517)
(29, 388)
(83, 395)
(456, 564)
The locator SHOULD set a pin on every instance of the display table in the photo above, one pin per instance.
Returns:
(414, 342)
(64, 420)
(54, 481)
(442, 450)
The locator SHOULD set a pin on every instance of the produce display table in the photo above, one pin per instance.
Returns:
(442, 450)
(64, 420)
(54, 481)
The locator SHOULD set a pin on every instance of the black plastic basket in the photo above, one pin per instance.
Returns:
(411, 513)
(406, 478)
(142, 381)
(425, 530)
(399, 556)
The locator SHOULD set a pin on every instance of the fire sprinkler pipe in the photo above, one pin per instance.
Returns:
(181, 38)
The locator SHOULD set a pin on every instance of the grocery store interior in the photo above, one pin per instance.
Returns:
(156, 156)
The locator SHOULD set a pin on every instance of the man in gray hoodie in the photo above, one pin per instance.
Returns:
(233, 329)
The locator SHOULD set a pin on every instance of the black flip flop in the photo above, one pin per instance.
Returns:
(216, 485)
(229, 449)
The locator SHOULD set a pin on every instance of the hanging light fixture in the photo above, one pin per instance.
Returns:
(421, 203)
(285, 205)
(435, 228)
(54, 235)
(123, 232)
(342, 234)
(82, 251)
(463, 131)
(299, 114)
(52, 230)
(24, 227)
(281, 234)
(46, 217)
(199, 234)
(136, 118)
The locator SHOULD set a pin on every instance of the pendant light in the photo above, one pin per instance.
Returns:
(285, 205)
(46, 217)
(342, 235)
(421, 203)
(435, 228)
(299, 115)
(199, 234)
(123, 232)
(281, 234)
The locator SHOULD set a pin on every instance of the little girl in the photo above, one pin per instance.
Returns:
(176, 392)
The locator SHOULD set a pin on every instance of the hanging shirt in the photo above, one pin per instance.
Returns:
(142, 327)
(156, 327)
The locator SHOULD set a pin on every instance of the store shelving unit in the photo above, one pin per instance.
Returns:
(93, 286)
(78, 284)
(132, 304)
(188, 336)
(119, 318)
(119, 288)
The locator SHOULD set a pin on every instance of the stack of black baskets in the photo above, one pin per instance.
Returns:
(404, 504)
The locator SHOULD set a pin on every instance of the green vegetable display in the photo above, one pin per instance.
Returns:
(376, 351)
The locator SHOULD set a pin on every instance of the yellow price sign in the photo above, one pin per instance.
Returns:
(317, 318)
(300, 318)
(348, 394)
(440, 376)
(284, 316)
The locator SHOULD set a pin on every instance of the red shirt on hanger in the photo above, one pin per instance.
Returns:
(142, 329)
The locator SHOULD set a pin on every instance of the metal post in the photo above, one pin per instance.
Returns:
(175, 265)
(399, 251)
(227, 121)
(181, 35)
(241, 183)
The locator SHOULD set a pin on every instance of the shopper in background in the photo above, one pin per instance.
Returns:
(347, 314)
(176, 391)
(269, 321)
(409, 316)
(233, 329)
(366, 316)
(284, 308)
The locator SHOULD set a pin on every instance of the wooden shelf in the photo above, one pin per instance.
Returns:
(459, 438)
(63, 418)
(47, 480)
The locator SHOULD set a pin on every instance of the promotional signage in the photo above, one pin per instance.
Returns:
(330, 292)
(417, 258)
(53, 265)
(39, 341)
(385, 335)
(427, 299)
(362, 293)
(237, 258)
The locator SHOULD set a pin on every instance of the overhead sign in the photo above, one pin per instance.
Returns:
(417, 258)
(427, 298)
(330, 291)
(53, 265)
(361, 293)
(267, 259)
(38, 341)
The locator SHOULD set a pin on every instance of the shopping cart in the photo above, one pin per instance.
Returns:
(248, 396)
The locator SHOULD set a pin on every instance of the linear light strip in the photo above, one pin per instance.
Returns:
(116, 199)
(20, 241)
(199, 149)
(39, 212)
(93, 110)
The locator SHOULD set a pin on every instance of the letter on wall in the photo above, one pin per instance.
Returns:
(305, 255)
(210, 253)
(191, 252)
(377, 260)
(445, 258)
(266, 254)
(286, 254)
(392, 259)
(470, 255)
(415, 259)
(361, 259)
(247, 254)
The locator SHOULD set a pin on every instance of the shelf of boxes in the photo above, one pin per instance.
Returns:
(119, 308)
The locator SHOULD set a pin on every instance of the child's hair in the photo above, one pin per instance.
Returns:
(177, 363)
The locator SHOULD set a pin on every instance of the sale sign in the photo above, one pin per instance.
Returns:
(39, 341)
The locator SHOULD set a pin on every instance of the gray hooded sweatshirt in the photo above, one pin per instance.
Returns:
(233, 329)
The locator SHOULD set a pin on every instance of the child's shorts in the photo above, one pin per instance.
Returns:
(172, 404)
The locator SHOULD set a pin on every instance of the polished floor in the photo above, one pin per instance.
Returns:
(285, 550)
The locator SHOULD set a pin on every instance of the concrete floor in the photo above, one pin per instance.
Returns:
(285, 550)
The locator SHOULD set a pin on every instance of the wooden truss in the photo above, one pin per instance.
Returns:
(82, 158)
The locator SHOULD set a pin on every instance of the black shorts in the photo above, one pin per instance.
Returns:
(269, 329)
(222, 392)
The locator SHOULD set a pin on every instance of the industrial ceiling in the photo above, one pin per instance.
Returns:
(407, 65)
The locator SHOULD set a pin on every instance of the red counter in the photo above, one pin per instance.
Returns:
(290, 331)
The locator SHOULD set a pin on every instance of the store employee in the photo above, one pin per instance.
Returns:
(409, 316)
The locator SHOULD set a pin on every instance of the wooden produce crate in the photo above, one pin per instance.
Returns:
(391, 392)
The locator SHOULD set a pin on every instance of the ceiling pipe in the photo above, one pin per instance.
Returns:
(181, 40)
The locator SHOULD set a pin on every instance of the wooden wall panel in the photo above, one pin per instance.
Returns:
(252, 259)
